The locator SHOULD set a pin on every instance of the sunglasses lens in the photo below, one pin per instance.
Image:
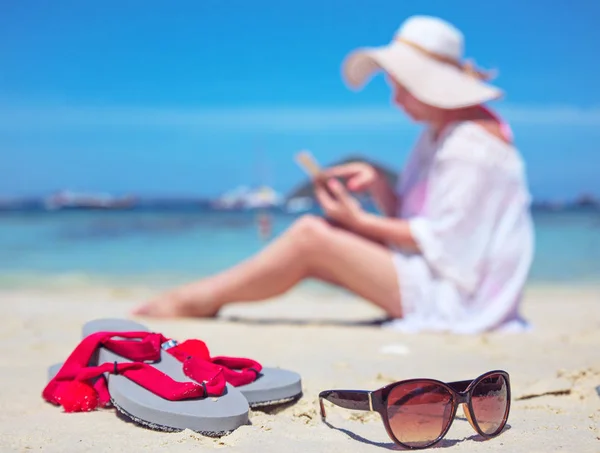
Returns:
(490, 403)
(419, 412)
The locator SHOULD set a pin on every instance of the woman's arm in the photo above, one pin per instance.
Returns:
(387, 229)
(345, 210)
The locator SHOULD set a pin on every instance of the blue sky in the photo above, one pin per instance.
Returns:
(195, 97)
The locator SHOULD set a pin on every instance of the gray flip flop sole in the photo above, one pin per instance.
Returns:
(274, 385)
(211, 416)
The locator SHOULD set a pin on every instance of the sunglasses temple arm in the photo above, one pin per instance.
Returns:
(359, 400)
(322, 408)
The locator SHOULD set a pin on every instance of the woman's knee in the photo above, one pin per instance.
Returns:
(310, 232)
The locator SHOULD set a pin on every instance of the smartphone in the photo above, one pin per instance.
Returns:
(310, 165)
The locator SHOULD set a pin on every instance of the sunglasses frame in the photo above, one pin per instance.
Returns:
(376, 401)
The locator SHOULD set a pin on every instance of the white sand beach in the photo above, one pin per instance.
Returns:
(554, 371)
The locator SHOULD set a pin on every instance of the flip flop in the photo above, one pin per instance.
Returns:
(272, 386)
(267, 387)
(164, 395)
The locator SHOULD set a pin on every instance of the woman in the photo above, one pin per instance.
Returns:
(457, 228)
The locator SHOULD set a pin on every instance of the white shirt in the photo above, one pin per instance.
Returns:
(466, 199)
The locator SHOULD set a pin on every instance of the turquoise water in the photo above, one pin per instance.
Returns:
(173, 246)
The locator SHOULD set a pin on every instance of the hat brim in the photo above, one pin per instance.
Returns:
(433, 82)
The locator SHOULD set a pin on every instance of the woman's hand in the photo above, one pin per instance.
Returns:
(360, 176)
(337, 203)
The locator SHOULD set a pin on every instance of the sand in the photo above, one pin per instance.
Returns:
(554, 371)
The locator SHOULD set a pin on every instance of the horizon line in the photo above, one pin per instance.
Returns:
(263, 118)
(205, 197)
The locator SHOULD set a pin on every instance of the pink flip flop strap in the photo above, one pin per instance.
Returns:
(237, 370)
(73, 389)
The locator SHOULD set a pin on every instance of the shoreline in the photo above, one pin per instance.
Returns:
(72, 280)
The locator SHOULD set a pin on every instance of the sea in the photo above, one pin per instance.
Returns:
(164, 247)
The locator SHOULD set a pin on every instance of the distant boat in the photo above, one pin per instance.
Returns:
(71, 200)
(263, 197)
(244, 197)
(587, 200)
(233, 199)
(299, 204)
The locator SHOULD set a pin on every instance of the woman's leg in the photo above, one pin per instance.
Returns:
(309, 248)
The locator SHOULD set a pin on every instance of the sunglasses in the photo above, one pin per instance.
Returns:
(417, 413)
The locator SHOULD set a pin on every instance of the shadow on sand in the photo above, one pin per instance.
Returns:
(444, 443)
(375, 322)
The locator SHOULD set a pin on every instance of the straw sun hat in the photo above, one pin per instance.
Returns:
(425, 56)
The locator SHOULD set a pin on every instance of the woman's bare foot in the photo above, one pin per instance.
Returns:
(180, 303)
